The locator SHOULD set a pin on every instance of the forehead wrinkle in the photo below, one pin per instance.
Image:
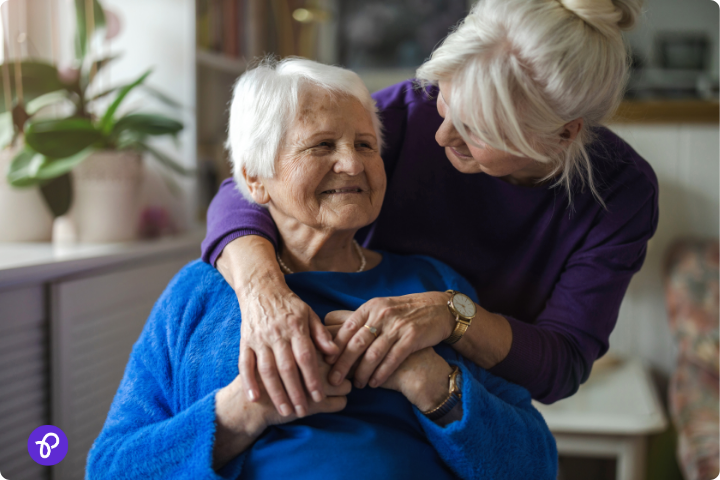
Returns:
(312, 102)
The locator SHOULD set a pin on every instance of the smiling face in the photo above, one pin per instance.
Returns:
(471, 159)
(329, 175)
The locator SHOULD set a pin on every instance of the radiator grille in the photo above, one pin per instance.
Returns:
(96, 320)
(24, 379)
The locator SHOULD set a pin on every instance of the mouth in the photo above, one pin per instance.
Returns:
(344, 190)
(458, 154)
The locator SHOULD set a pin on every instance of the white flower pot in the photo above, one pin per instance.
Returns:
(106, 197)
(24, 216)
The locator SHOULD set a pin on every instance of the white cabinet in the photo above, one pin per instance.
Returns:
(65, 336)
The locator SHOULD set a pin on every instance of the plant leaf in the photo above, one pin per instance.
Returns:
(58, 194)
(106, 124)
(7, 132)
(56, 167)
(38, 78)
(147, 124)
(170, 102)
(23, 168)
(99, 65)
(104, 94)
(61, 138)
(34, 106)
(166, 160)
(81, 36)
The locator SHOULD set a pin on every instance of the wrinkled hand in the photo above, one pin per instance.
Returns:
(334, 401)
(239, 422)
(279, 333)
(404, 325)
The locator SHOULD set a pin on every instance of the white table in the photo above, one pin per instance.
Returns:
(610, 416)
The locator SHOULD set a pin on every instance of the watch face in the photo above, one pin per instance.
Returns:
(464, 305)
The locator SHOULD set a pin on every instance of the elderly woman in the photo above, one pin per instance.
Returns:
(543, 210)
(312, 158)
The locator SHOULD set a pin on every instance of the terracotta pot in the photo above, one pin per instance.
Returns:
(24, 216)
(106, 197)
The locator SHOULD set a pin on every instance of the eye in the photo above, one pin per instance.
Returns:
(364, 145)
(324, 144)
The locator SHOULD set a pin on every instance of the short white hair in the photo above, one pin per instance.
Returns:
(264, 103)
(522, 69)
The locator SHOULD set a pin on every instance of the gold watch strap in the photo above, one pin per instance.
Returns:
(458, 332)
(454, 396)
(460, 326)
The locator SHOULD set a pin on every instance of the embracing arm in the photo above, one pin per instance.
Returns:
(231, 216)
(278, 327)
(553, 355)
(550, 355)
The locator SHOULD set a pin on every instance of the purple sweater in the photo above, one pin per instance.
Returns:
(557, 274)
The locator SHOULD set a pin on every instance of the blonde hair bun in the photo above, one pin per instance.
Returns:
(520, 70)
(606, 15)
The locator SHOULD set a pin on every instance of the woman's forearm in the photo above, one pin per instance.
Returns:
(428, 387)
(487, 341)
(269, 307)
(237, 425)
(249, 263)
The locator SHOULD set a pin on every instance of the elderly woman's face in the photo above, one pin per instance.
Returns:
(329, 173)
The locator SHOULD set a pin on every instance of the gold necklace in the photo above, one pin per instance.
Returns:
(363, 261)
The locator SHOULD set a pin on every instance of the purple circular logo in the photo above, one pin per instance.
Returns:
(47, 445)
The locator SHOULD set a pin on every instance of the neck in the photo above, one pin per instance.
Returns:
(304, 249)
(530, 175)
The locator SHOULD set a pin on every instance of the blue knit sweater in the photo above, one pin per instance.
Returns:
(161, 423)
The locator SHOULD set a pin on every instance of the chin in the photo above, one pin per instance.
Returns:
(355, 220)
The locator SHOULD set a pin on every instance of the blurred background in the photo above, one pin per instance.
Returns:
(112, 122)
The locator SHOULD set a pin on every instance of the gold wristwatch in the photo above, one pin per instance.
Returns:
(464, 310)
(453, 398)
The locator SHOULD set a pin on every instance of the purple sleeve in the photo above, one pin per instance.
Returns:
(231, 216)
(553, 355)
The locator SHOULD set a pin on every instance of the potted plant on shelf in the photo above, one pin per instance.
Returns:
(91, 158)
(24, 215)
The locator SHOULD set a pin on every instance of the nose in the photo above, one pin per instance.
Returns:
(447, 135)
(349, 163)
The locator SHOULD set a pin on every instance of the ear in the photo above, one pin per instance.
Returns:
(571, 130)
(256, 187)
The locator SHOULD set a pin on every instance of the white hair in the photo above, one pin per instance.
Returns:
(265, 102)
(522, 69)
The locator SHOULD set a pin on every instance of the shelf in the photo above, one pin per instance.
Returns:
(220, 62)
(668, 111)
(23, 263)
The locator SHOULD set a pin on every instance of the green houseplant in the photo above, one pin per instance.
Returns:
(49, 149)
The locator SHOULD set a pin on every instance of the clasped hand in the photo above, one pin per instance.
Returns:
(280, 334)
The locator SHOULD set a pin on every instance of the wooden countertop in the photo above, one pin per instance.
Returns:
(668, 111)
